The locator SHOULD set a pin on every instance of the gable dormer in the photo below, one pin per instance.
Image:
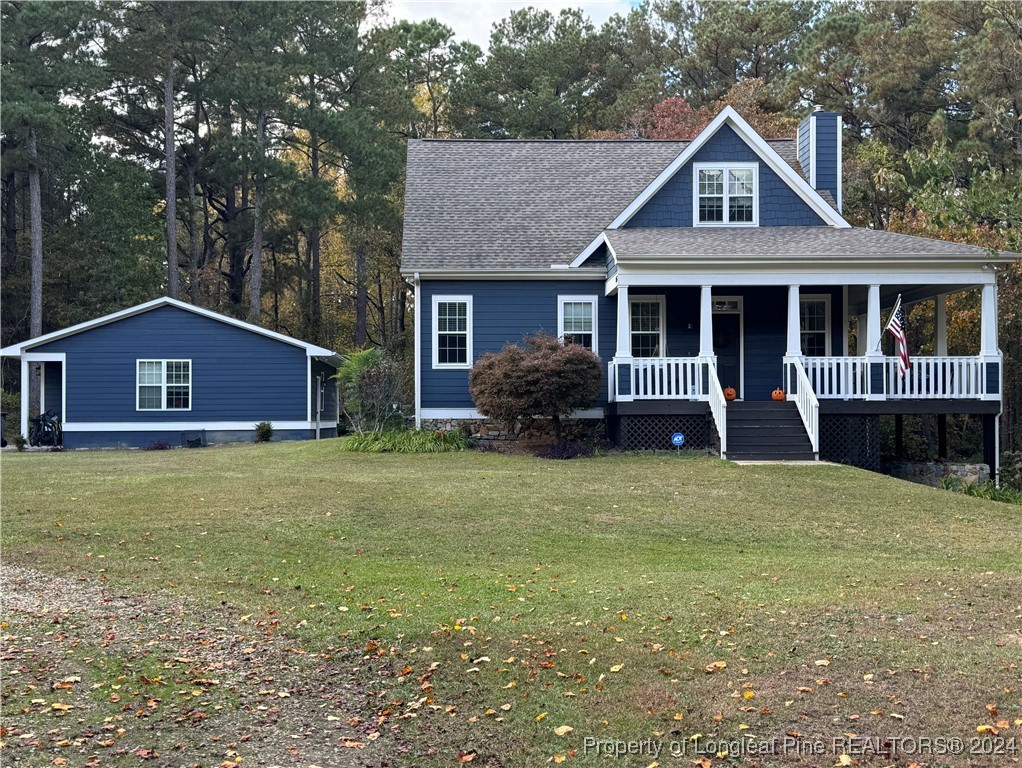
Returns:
(729, 176)
(819, 151)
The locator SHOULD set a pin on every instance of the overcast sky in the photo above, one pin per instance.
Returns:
(472, 19)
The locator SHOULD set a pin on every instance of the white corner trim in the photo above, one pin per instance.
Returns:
(469, 322)
(417, 344)
(184, 426)
(725, 167)
(840, 161)
(308, 389)
(762, 148)
(590, 299)
(15, 350)
(589, 250)
(472, 413)
(812, 150)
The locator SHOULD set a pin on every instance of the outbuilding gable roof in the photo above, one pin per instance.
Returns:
(311, 350)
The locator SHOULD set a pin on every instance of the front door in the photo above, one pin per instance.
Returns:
(727, 346)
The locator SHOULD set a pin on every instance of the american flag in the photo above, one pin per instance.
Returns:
(896, 327)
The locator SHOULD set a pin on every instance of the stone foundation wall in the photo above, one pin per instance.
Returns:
(576, 430)
(931, 472)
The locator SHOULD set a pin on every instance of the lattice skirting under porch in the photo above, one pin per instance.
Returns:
(638, 433)
(853, 440)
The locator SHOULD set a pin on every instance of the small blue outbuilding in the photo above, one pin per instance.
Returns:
(169, 372)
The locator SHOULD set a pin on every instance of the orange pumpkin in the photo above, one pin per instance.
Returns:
(729, 393)
(777, 394)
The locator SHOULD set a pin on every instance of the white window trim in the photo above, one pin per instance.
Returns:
(594, 300)
(163, 384)
(659, 299)
(828, 324)
(725, 166)
(467, 365)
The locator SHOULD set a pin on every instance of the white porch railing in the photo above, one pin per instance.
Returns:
(805, 399)
(928, 378)
(936, 378)
(844, 378)
(666, 378)
(718, 405)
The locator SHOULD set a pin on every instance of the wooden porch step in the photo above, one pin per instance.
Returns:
(766, 431)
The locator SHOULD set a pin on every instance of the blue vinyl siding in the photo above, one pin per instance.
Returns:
(779, 204)
(504, 311)
(507, 310)
(827, 169)
(53, 388)
(237, 375)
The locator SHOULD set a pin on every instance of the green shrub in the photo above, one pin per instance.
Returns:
(1011, 470)
(987, 490)
(263, 432)
(370, 383)
(404, 442)
(20, 441)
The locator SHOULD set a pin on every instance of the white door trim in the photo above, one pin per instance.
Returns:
(740, 311)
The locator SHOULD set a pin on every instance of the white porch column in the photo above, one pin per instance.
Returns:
(876, 388)
(940, 324)
(706, 321)
(873, 321)
(24, 396)
(624, 347)
(988, 334)
(794, 348)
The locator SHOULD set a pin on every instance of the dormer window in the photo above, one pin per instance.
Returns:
(725, 195)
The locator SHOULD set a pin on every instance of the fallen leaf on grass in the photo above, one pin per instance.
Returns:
(822, 662)
(617, 667)
(467, 756)
(563, 730)
(715, 667)
(541, 715)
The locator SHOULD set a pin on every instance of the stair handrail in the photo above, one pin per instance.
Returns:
(806, 401)
(718, 405)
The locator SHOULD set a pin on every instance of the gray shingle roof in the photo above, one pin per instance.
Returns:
(778, 242)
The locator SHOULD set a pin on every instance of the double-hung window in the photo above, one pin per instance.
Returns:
(576, 320)
(452, 331)
(725, 194)
(163, 385)
(646, 316)
(814, 322)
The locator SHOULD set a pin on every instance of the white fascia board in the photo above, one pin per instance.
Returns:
(183, 426)
(590, 249)
(586, 273)
(762, 148)
(707, 274)
(311, 349)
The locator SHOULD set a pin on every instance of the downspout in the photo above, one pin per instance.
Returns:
(319, 401)
(417, 329)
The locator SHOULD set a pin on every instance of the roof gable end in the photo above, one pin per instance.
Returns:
(762, 148)
(15, 350)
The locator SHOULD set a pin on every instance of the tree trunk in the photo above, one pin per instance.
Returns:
(361, 291)
(10, 201)
(169, 157)
(315, 284)
(35, 322)
(193, 240)
(255, 271)
(558, 439)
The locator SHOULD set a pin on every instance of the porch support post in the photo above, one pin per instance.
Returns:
(940, 324)
(988, 349)
(794, 324)
(706, 321)
(872, 351)
(24, 396)
(623, 347)
(844, 320)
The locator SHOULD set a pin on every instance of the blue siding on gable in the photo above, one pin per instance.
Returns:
(236, 374)
(54, 388)
(504, 311)
(779, 204)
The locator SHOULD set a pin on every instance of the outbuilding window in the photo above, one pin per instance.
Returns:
(452, 331)
(725, 194)
(163, 385)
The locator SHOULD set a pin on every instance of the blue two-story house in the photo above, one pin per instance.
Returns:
(695, 269)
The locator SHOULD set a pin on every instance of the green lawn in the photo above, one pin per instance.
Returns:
(596, 591)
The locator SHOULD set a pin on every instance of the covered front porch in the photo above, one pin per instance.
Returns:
(682, 343)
